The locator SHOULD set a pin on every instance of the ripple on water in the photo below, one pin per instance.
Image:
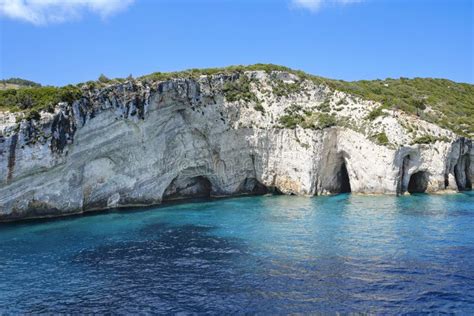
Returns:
(272, 255)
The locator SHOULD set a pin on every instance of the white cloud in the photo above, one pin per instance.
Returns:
(315, 5)
(41, 12)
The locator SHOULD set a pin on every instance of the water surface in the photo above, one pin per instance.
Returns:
(277, 254)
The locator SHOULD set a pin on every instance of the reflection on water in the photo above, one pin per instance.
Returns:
(275, 254)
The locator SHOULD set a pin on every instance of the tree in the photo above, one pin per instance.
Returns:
(103, 78)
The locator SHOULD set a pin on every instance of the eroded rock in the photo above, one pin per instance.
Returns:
(141, 143)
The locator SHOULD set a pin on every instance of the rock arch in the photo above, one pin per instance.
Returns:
(418, 182)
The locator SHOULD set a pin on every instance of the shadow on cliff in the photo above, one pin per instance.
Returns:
(185, 189)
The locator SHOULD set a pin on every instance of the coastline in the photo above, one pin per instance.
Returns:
(145, 207)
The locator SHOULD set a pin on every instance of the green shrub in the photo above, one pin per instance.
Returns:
(375, 113)
(103, 79)
(91, 84)
(20, 82)
(325, 120)
(425, 139)
(69, 94)
(419, 104)
(259, 107)
(294, 108)
(325, 106)
(39, 98)
(381, 138)
(282, 89)
(443, 139)
(307, 120)
(33, 115)
(291, 121)
(239, 90)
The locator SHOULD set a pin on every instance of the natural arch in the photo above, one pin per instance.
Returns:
(418, 182)
(462, 173)
(188, 188)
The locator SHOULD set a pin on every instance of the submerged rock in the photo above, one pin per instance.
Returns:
(144, 142)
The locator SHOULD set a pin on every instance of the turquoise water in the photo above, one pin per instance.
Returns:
(269, 254)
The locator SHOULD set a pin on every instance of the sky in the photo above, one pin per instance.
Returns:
(58, 42)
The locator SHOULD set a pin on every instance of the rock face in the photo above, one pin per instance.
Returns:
(143, 142)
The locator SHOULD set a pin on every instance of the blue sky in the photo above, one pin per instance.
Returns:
(63, 43)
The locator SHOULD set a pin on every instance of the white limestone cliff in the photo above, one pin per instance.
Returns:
(143, 142)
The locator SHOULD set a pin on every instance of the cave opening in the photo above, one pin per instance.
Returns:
(418, 182)
(252, 186)
(343, 179)
(198, 187)
(340, 181)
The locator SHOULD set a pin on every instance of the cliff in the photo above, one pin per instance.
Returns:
(149, 140)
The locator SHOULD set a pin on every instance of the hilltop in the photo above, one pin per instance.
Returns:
(17, 83)
(440, 101)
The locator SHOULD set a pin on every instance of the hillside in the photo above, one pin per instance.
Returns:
(439, 101)
(17, 83)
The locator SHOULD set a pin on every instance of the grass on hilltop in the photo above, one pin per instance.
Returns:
(37, 98)
(195, 73)
(440, 101)
(17, 83)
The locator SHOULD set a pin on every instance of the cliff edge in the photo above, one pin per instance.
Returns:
(241, 131)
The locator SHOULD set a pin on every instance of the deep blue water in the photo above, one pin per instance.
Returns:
(270, 255)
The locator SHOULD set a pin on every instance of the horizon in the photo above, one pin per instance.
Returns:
(54, 43)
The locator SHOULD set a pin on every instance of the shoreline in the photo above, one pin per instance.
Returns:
(144, 207)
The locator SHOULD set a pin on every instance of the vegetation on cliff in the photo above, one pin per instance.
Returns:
(17, 83)
(295, 116)
(440, 101)
(195, 73)
(443, 102)
(37, 98)
(239, 90)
